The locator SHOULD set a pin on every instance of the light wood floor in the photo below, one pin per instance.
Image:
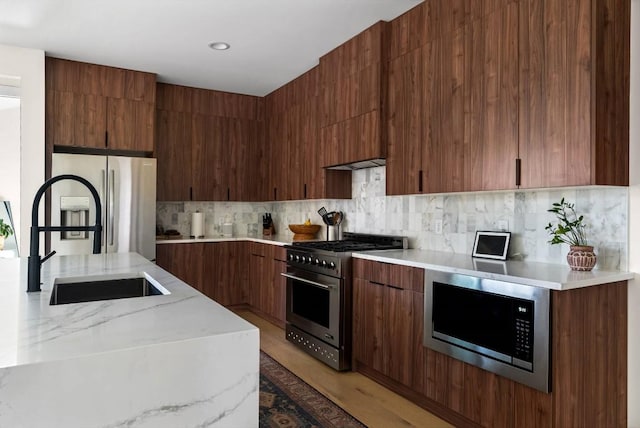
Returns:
(369, 402)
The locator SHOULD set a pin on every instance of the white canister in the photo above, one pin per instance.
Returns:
(227, 230)
(197, 225)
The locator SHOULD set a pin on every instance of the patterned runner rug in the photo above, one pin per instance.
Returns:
(286, 401)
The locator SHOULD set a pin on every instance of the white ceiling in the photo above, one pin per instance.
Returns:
(272, 41)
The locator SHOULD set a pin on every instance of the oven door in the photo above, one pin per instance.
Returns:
(313, 304)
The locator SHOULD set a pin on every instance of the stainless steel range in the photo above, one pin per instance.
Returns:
(319, 294)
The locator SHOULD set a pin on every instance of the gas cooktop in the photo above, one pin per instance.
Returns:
(355, 242)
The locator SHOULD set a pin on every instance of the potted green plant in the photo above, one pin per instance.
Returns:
(570, 230)
(5, 232)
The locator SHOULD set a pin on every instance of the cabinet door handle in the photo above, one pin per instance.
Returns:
(106, 139)
(305, 190)
(395, 287)
(420, 181)
(518, 170)
(377, 283)
(228, 194)
(190, 193)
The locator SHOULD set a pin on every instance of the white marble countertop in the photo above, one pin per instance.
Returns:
(32, 331)
(280, 239)
(546, 275)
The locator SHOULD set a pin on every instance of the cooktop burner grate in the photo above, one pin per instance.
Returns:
(355, 242)
(343, 246)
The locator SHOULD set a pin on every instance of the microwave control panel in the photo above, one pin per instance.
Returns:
(524, 339)
(523, 324)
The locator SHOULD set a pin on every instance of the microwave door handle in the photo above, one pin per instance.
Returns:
(308, 281)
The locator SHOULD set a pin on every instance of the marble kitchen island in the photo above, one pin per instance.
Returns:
(176, 360)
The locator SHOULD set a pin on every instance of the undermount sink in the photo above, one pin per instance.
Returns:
(104, 287)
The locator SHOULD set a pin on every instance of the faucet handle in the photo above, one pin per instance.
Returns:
(45, 258)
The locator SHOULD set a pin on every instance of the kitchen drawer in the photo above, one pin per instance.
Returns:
(257, 249)
(397, 276)
(279, 253)
(371, 271)
(407, 278)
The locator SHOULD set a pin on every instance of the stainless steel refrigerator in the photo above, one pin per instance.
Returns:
(127, 189)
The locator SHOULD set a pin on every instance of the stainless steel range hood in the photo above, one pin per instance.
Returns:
(370, 163)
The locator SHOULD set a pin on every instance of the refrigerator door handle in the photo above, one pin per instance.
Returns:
(103, 195)
(112, 183)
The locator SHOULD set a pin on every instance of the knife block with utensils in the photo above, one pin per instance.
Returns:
(268, 229)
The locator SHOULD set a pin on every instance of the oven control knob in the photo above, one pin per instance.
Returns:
(291, 257)
(316, 261)
(304, 259)
(297, 258)
(332, 265)
(324, 263)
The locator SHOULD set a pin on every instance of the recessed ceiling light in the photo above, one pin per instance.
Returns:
(219, 46)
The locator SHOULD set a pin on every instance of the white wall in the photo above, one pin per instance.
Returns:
(634, 223)
(10, 144)
(28, 66)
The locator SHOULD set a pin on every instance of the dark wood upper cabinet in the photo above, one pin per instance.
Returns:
(452, 98)
(574, 92)
(213, 141)
(475, 86)
(295, 153)
(130, 125)
(94, 106)
(77, 120)
(351, 83)
(174, 154)
(491, 142)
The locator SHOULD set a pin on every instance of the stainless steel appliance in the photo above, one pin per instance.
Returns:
(127, 190)
(319, 294)
(499, 326)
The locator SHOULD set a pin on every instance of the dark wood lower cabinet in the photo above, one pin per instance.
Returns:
(257, 269)
(279, 284)
(387, 324)
(588, 360)
(186, 261)
(228, 274)
(232, 273)
(267, 286)
(588, 339)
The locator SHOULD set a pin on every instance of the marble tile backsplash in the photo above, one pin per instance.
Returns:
(445, 222)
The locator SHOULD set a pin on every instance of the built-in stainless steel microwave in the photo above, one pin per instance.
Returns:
(498, 326)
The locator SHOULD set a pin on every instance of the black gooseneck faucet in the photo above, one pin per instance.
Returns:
(35, 262)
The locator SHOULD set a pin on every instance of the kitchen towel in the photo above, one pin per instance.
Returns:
(197, 225)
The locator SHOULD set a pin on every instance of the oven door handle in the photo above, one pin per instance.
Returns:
(308, 281)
